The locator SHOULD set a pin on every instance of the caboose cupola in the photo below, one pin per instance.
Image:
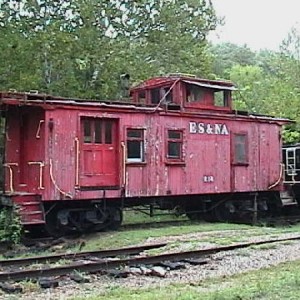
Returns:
(185, 92)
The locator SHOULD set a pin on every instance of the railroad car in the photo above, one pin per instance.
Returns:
(176, 143)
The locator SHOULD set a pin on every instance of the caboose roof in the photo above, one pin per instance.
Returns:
(52, 102)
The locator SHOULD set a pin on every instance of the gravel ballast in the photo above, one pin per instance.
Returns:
(219, 265)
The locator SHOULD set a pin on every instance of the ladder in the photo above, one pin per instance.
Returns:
(290, 161)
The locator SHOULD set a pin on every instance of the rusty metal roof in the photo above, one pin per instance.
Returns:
(211, 85)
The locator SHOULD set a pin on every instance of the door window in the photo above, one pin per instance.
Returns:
(97, 131)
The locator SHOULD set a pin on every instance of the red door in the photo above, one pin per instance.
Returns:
(99, 160)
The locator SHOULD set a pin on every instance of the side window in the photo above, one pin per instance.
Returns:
(194, 93)
(221, 98)
(142, 97)
(87, 131)
(174, 145)
(163, 93)
(97, 131)
(240, 148)
(167, 95)
(135, 145)
(155, 96)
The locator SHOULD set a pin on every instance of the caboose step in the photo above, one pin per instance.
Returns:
(30, 203)
(31, 211)
(34, 216)
(287, 199)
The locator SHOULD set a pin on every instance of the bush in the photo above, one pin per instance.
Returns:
(10, 225)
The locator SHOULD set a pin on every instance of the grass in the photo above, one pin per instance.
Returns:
(264, 247)
(136, 216)
(125, 238)
(281, 282)
(132, 237)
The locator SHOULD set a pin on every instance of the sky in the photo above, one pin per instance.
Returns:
(261, 24)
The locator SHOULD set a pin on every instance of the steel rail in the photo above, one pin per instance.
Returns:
(78, 255)
(103, 265)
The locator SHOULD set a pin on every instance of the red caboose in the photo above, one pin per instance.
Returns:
(74, 164)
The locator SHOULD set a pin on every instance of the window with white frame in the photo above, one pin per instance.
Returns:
(135, 145)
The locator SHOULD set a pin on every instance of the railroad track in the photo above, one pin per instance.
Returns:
(23, 262)
(101, 261)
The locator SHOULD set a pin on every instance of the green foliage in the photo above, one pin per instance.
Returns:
(291, 135)
(227, 55)
(80, 48)
(268, 81)
(10, 226)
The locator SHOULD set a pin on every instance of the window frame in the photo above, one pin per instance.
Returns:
(224, 96)
(105, 133)
(208, 99)
(142, 158)
(190, 90)
(161, 92)
(174, 160)
(245, 144)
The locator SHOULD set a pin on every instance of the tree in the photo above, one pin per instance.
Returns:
(79, 48)
(249, 81)
(226, 55)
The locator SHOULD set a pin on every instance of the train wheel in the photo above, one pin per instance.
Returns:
(224, 212)
(115, 218)
(53, 227)
(210, 216)
(194, 216)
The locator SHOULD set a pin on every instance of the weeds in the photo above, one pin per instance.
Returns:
(10, 225)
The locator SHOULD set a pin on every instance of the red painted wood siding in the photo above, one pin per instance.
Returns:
(207, 158)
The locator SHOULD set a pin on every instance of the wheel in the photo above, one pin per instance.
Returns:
(210, 216)
(115, 218)
(194, 216)
(224, 212)
(53, 227)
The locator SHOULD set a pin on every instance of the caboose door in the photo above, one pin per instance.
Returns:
(98, 153)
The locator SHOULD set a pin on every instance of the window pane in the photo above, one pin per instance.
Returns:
(226, 98)
(172, 134)
(155, 96)
(108, 132)
(168, 98)
(134, 150)
(240, 153)
(240, 139)
(98, 131)
(240, 148)
(174, 149)
(142, 97)
(194, 93)
(219, 98)
(87, 131)
(135, 133)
